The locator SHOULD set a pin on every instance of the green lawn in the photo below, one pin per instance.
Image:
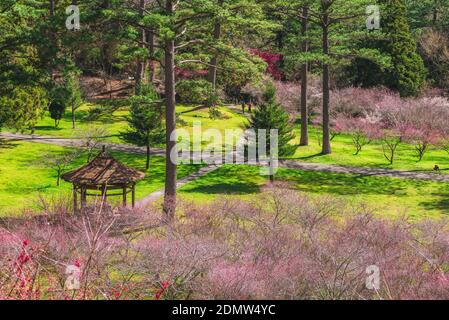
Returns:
(24, 176)
(371, 155)
(115, 123)
(343, 150)
(388, 196)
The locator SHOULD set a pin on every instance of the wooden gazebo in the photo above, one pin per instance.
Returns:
(100, 176)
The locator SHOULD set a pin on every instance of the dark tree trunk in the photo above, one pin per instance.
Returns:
(170, 104)
(304, 112)
(151, 57)
(147, 166)
(52, 39)
(213, 63)
(73, 116)
(58, 180)
(326, 88)
(52, 8)
(141, 64)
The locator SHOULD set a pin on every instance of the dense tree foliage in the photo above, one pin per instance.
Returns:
(408, 73)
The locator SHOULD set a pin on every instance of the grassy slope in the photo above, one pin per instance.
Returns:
(24, 176)
(389, 196)
(116, 122)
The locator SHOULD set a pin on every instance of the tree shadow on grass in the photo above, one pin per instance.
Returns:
(347, 184)
(226, 180)
(47, 128)
(7, 144)
(313, 156)
(193, 109)
(442, 203)
(79, 115)
(82, 116)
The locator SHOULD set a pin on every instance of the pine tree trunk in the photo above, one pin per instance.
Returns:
(151, 58)
(213, 63)
(141, 64)
(170, 171)
(52, 39)
(147, 166)
(326, 88)
(52, 8)
(73, 116)
(304, 112)
(58, 181)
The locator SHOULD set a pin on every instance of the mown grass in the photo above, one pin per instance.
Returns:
(343, 149)
(387, 196)
(371, 155)
(24, 174)
(115, 123)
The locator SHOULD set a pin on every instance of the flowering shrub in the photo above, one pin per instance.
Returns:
(273, 60)
(425, 122)
(287, 246)
(288, 94)
(378, 114)
(361, 130)
(186, 73)
(37, 252)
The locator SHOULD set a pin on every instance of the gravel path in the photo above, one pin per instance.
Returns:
(290, 164)
(70, 142)
(419, 175)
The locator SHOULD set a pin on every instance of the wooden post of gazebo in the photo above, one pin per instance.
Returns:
(75, 199)
(103, 174)
(133, 190)
(83, 197)
(125, 192)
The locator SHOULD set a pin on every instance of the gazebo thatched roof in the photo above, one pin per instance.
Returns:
(104, 169)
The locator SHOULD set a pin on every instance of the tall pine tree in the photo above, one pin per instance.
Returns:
(408, 72)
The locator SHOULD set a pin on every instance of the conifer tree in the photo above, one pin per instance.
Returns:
(145, 121)
(408, 72)
(270, 115)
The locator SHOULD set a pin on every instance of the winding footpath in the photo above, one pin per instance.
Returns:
(288, 164)
(76, 143)
(364, 171)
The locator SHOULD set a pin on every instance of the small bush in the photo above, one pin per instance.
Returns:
(215, 114)
(98, 112)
